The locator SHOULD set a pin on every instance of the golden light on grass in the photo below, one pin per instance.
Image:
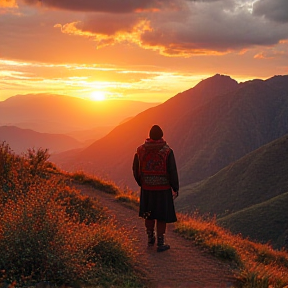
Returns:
(98, 96)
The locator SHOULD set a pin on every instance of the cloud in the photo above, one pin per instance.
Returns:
(112, 6)
(211, 27)
(8, 4)
(280, 52)
(188, 28)
(99, 23)
(275, 10)
(129, 30)
(171, 27)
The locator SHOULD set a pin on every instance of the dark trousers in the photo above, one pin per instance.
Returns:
(160, 226)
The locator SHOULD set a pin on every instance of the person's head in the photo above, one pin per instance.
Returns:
(155, 133)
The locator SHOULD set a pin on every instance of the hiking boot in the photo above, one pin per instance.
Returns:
(151, 238)
(161, 246)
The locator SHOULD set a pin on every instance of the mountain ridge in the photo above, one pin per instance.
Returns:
(20, 140)
(52, 113)
(265, 222)
(210, 132)
(248, 196)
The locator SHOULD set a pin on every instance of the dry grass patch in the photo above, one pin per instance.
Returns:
(256, 265)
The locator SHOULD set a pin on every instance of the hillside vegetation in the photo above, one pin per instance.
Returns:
(247, 194)
(51, 233)
(258, 266)
(255, 265)
(265, 222)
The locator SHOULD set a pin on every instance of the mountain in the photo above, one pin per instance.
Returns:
(21, 139)
(255, 178)
(90, 135)
(208, 126)
(112, 155)
(263, 222)
(249, 196)
(63, 114)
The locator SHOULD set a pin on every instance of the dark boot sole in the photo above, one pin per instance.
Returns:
(163, 248)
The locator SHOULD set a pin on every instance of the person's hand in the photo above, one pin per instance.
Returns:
(174, 194)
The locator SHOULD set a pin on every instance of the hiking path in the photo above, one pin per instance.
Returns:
(182, 266)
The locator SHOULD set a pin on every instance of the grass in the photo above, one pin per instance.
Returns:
(256, 265)
(266, 221)
(51, 233)
(125, 195)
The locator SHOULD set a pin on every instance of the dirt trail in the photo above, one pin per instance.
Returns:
(183, 266)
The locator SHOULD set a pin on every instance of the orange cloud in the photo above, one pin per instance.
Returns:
(132, 30)
(8, 4)
(273, 53)
(262, 55)
(174, 28)
(132, 35)
(186, 29)
(181, 49)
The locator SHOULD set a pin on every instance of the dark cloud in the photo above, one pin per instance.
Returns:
(203, 0)
(212, 27)
(112, 6)
(195, 27)
(109, 24)
(276, 10)
(180, 27)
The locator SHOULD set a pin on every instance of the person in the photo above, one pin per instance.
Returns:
(155, 171)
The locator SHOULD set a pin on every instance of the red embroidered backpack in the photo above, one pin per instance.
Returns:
(153, 157)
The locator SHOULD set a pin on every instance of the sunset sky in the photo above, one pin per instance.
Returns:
(146, 50)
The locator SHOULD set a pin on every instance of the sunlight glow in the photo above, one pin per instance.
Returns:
(97, 96)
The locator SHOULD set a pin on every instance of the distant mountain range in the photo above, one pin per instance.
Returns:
(230, 143)
(209, 126)
(63, 114)
(20, 140)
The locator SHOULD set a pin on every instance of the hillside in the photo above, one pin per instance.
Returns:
(21, 139)
(209, 126)
(63, 114)
(89, 235)
(251, 193)
(89, 136)
(264, 222)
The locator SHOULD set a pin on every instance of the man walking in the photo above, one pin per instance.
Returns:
(155, 171)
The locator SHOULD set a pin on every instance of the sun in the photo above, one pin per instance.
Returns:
(97, 96)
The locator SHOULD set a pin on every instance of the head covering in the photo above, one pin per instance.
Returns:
(156, 133)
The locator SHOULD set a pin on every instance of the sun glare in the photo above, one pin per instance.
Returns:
(97, 96)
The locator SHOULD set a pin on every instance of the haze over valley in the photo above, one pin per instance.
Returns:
(77, 122)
